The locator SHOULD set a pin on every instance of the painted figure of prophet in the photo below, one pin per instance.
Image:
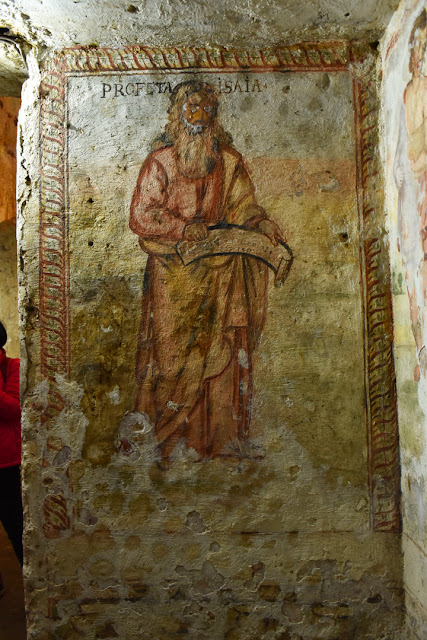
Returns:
(200, 322)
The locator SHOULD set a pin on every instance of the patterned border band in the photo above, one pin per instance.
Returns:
(382, 430)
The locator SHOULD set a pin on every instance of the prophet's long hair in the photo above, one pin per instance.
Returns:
(420, 24)
(175, 125)
(179, 96)
(195, 151)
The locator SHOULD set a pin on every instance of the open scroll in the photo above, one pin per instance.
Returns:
(238, 240)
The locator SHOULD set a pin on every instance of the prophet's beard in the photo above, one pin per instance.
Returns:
(194, 152)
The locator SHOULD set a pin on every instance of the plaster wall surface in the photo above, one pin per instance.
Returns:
(119, 23)
(406, 204)
(13, 71)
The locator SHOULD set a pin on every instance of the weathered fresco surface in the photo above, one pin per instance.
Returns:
(297, 537)
(405, 110)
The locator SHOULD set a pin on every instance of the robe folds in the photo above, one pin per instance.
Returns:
(200, 323)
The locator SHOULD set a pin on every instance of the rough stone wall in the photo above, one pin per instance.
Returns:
(179, 22)
(404, 95)
(285, 545)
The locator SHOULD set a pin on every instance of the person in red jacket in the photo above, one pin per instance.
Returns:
(11, 515)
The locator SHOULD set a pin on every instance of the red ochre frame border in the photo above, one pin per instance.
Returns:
(381, 407)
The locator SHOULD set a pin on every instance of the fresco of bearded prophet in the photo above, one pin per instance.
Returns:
(210, 247)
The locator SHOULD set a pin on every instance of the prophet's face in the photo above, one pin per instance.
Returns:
(198, 112)
(418, 51)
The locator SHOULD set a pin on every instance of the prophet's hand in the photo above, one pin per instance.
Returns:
(271, 230)
(195, 231)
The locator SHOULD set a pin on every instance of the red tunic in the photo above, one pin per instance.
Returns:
(10, 415)
(199, 324)
(176, 200)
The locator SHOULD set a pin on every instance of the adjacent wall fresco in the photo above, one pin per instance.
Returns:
(405, 118)
(245, 483)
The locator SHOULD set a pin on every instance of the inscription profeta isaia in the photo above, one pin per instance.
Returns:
(142, 88)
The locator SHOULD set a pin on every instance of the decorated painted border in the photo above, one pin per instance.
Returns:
(381, 408)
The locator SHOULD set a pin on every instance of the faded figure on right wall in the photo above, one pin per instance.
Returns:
(410, 172)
